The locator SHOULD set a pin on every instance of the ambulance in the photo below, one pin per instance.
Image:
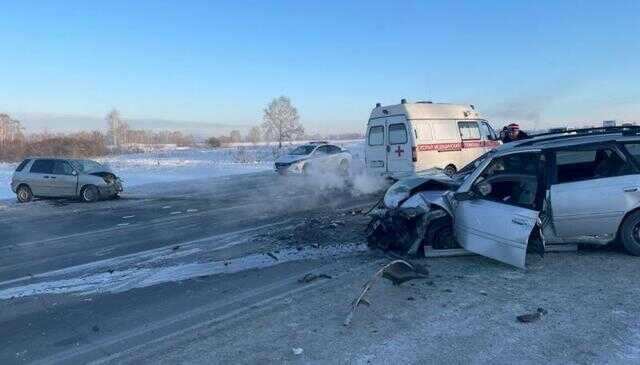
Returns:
(406, 138)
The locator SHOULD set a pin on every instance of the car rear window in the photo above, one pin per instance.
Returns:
(376, 136)
(634, 150)
(302, 150)
(42, 166)
(397, 134)
(334, 149)
(323, 150)
(22, 165)
(587, 164)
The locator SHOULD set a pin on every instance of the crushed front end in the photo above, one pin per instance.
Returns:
(414, 213)
(112, 184)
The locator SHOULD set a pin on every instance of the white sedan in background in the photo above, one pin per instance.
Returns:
(314, 156)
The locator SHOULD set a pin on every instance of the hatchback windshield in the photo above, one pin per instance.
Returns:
(302, 150)
(86, 165)
(471, 166)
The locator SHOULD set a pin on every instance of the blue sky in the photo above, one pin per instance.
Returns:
(538, 62)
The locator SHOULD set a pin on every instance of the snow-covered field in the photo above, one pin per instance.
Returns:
(183, 164)
(6, 169)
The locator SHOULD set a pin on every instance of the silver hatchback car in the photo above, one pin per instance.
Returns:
(57, 177)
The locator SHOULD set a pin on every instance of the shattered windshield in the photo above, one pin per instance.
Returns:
(86, 165)
(472, 166)
(302, 150)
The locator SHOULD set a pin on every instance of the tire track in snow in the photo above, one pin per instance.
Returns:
(221, 241)
(124, 280)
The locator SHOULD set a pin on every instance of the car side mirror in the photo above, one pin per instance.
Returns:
(463, 195)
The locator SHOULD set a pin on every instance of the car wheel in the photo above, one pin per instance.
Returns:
(89, 194)
(450, 170)
(440, 234)
(630, 233)
(24, 194)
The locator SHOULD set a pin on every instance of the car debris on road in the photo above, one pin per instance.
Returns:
(532, 317)
(310, 277)
(397, 271)
(581, 186)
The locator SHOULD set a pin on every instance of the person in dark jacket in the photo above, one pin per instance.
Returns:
(514, 134)
(504, 133)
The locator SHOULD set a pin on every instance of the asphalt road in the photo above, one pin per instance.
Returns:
(65, 247)
(209, 271)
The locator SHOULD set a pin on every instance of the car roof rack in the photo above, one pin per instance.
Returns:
(627, 130)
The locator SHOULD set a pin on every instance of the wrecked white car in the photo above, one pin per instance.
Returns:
(314, 156)
(576, 187)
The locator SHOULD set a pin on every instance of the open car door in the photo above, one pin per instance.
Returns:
(499, 214)
(495, 230)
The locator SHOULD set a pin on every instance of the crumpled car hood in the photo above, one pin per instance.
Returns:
(290, 158)
(98, 170)
(431, 186)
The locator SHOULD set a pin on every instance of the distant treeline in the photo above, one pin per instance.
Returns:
(85, 144)
(82, 144)
(255, 136)
(120, 138)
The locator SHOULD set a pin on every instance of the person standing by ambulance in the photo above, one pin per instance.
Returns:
(514, 134)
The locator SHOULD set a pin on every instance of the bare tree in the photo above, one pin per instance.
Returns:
(235, 136)
(281, 121)
(213, 142)
(255, 135)
(113, 125)
(11, 136)
(118, 129)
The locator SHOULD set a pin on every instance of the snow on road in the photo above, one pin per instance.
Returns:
(182, 164)
(6, 169)
(117, 281)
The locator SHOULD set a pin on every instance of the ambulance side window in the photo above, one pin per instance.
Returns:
(397, 133)
(469, 130)
(376, 136)
(487, 132)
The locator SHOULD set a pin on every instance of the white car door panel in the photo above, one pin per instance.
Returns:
(496, 230)
(40, 177)
(594, 187)
(322, 159)
(576, 213)
(63, 182)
